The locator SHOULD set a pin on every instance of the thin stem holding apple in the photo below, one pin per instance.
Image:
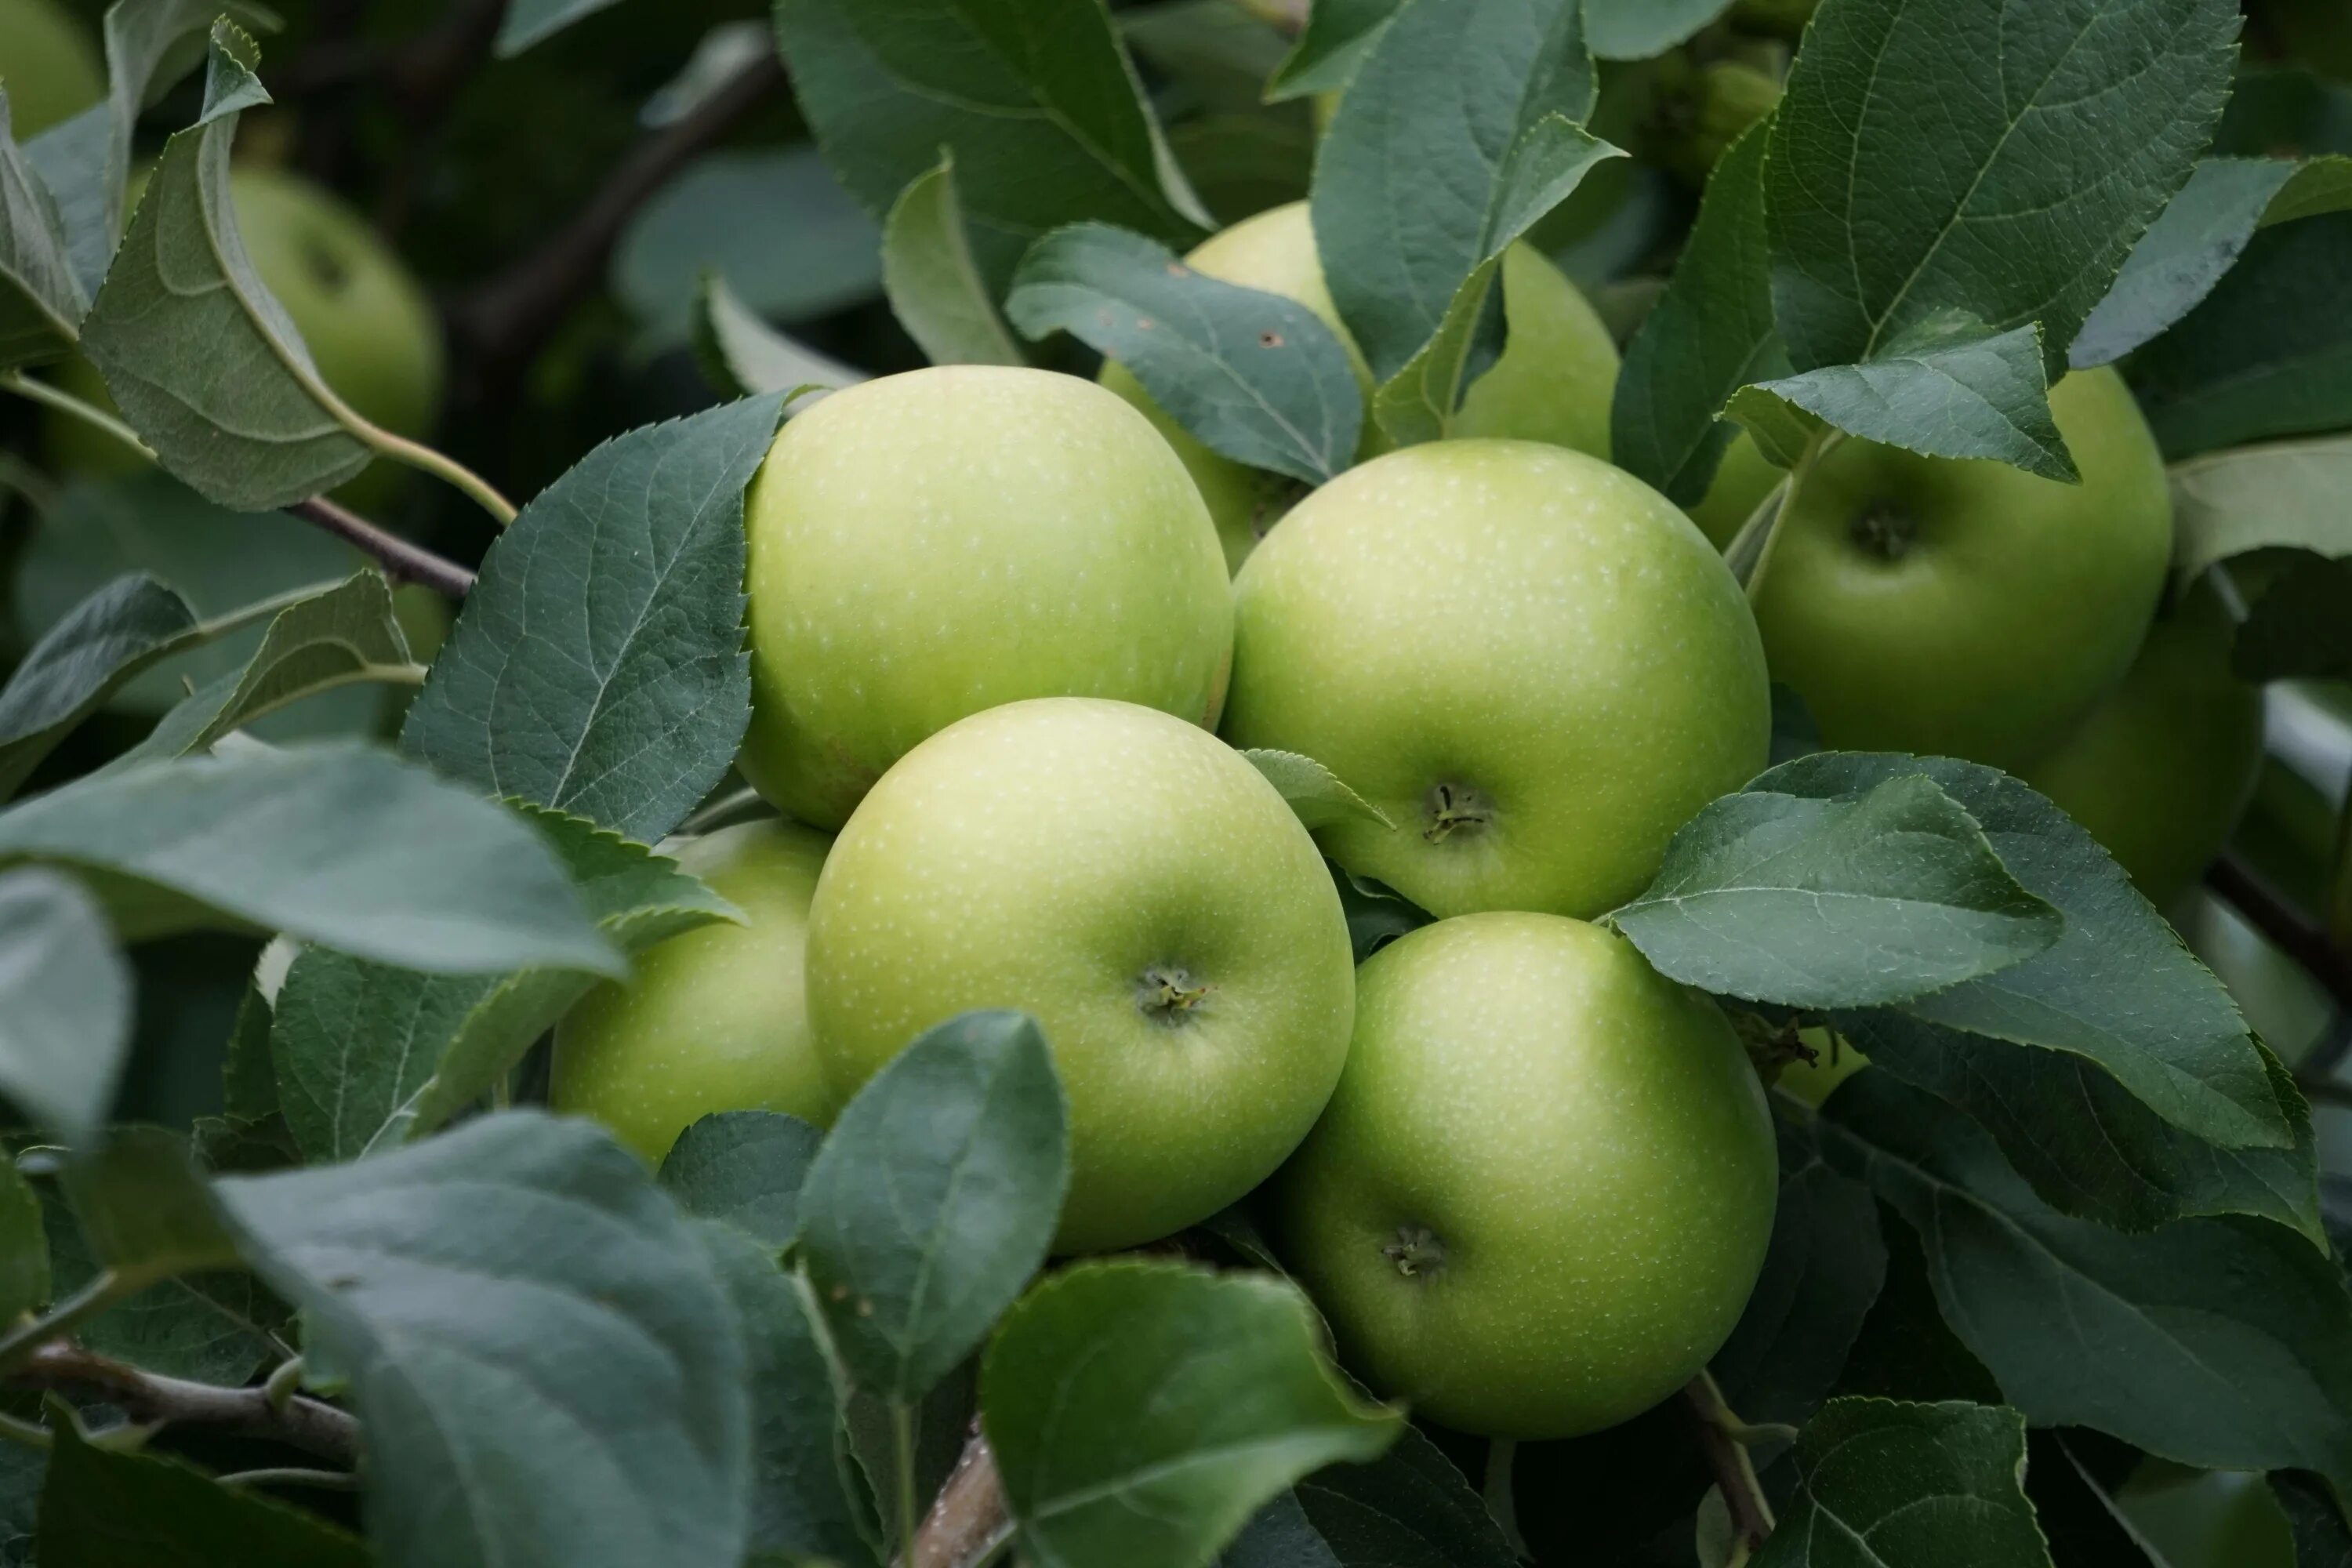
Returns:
(1720, 1435)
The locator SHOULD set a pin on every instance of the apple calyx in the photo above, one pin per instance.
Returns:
(1885, 529)
(1416, 1251)
(1456, 808)
(1169, 995)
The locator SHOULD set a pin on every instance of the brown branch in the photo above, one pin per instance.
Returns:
(401, 562)
(2297, 935)
(504, 321)
(967, 1519)
(1726, 1455)
(311, 1424)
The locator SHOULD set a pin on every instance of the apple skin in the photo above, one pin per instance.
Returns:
(1833, 1064)
(712, 1019)
(1553, 382)
(931, 544)
(368, 324)
(1474, 635)
(48, 66)
(2164, 765)
(1583, 1142)
(1053, 856)
(2206, 1519)
(2008, 604)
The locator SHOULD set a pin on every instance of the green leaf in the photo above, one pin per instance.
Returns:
(2196, 239)
(934, 1198)
(1886, 890)
(2322, 185)
(549, 1376)
(369, 1055)
(935, 286)
(2268, 353)
(334, 844)
(1035, 101)
(23, 1247)
(598, 666)
(1377, 913)
(213, 1325)
(64, 1003)
(126, 625)
(102, 1508)
(22, 1473)
(2287, 494)
(145, 1210)
(2067, 126)
(2117, 990)
(41, 298)
(1951, 390)
(744, 356)
(2299, 630)
(248, 1079)
(806, 1498)
(1637, 29)
(527, 22)
(1338, 35)
(2321, 1539)
(745, 1167)
(1710, 334)
(1280, 1535)
(1319, 796)
(1242, 1400)
(1459, 131)
(1821, 1275)
(1409, 1508)
(2213, 1341)
(1252, 375)
(199, 356)
(1879, 1481)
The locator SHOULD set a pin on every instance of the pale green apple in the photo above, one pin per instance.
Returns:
(1140, 891)
(2206, 1519)
(50, 66)
(931, 544)
(1967, 608)
(710, 1020)
(1530, 661)
(369, 327)
(1553, 382)
(1834, 1061)
(1543, 1190)
(2163, 766)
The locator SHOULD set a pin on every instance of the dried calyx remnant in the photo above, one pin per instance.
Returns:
(1169, 994)
(1454, 808)
(1416, 1251)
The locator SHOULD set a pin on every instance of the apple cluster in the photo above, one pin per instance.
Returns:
(1019, 644)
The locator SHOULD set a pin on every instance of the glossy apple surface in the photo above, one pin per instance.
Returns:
(1531, 662)
(929, 545)
(1139, 888)
(1543, 1190)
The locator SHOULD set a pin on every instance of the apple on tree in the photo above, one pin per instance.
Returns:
(929, 545)
(1144, 892)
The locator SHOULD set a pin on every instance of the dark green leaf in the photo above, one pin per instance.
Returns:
(934, 1198)
(41, 298)
(2268, 353)
(2014, 199)
(547, 1371)
(1279, 1536)
(22, 1473)
(1377, 913)
(1886, 891)
(745, 1167)
(1241, 1400)
(1409, 1508)
(2214, 1342)
(1319, 796)
(1034, 99)
(806, 1498)
(744, 356)
(2287, 495)
(1637, 29)
(2301, 627)
(2183, 254)
(1337, 35)
(1255, 376)
(248, 1077)
(213, 1325)
(598, 666)
(2074, 1503)
(146, 1212)
(1710, 334)
(101, 642)
(2321, 1539)
(102, 1508)
(1879, 1481)
(65, 1002)
(23, 1247)
(935, 284)
(529, 21)
(335, 844)
(2117, 989)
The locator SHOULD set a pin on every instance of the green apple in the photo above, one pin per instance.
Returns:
(1969, 609)
(2206, 1519)
(1543, 1190)
(1140, 891)
(1834, 1061)
(1529, 662)
(368, 324)
(2165, 765)
(710, 1020)
(1553, 382)
(48, 67)
(1742, 480)
(931, 544)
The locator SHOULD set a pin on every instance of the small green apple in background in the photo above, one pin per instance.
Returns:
(1834, 1061)
(1542, 1193)
(930, 544)
(48, 67)
(2164, 765)
(1969, 609)
(1529, 660)
(368, 325)
(711, 1020)
(2206, 1519)
(1553, 382)
(1139, 888)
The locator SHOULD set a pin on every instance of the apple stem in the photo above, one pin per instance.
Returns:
(1725, 1438)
